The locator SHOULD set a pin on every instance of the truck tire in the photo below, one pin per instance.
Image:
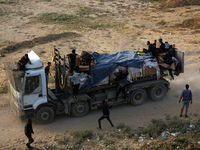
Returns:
(45, 115)
(80, 109)
(138, 97)
(157, 92)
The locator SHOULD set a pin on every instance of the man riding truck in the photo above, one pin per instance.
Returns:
(22, 62)
(72, 59)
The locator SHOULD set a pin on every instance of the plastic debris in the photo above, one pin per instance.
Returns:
(120, 130)
(165, 138)
(163, 133)
(175, 134)
(192, 126)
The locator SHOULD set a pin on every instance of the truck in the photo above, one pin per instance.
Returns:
(31, 97)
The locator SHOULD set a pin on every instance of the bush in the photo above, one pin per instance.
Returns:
(177, 125)
(154, 129)
(121, 125)
(80, 136)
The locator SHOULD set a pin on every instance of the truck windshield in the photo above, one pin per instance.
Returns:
(18, 82)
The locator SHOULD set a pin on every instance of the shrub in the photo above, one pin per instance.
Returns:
(80, 136)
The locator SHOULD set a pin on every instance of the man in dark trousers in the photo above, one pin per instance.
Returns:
(122, 80)
(28, 132)
(105, 109)
(72, 59)
(47, 71)
(186, 95)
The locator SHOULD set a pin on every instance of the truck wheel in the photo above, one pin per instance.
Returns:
(138, 97)
(157, 92)
(45, 115)
(80, 109)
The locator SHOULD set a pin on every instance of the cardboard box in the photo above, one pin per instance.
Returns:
(163, 55)
(157, 45)
(164, 65)
(173, 66)
(78, 61)
(150, 71)
(84, 68)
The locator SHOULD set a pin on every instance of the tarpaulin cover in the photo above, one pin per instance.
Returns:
(107, 63)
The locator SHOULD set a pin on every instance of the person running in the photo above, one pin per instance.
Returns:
(186, 97)
(106, 113)
(28, 132)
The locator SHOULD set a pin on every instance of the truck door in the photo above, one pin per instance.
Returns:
(32, 91)
(180, 56)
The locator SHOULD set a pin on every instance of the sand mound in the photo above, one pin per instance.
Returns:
(193, 23)
(179, 3)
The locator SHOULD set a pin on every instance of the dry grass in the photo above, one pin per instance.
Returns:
(193, 23)
(179, 3)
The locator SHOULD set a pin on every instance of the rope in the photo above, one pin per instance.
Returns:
(61, 86)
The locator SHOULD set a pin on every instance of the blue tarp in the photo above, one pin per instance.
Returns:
(107, 63)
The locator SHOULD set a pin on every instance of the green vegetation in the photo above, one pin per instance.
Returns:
(177, 125)
(81, 19)
(80, 136)
(42, 52)
(121, 125)
(7, 2)
(64, 140)
(153, 130)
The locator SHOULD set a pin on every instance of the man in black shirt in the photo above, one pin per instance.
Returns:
(105, 109)
(47, 71)
(28, 131)
(72, 59)
(122, 80)
(22, 62)
(151, 49)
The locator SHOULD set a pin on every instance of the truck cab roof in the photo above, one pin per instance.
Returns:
(36, 62)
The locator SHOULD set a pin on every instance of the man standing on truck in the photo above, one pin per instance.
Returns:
(151, 49)
(47, 71)
(186, 95)
(106, 113)
(72, 59)
(76, 81)
(28, 132)
(122, 79)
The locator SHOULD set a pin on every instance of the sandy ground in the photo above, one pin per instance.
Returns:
(140, 25)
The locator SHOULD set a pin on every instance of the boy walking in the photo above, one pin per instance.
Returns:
(186, 97)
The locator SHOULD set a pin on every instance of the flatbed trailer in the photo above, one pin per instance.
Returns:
(37, 101)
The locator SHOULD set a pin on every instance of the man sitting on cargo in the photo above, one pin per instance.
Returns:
(161, 48)
(172, 51)
(151, 49)
(22, 62)
(72, 59)
(75, 78)
(122, 79)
